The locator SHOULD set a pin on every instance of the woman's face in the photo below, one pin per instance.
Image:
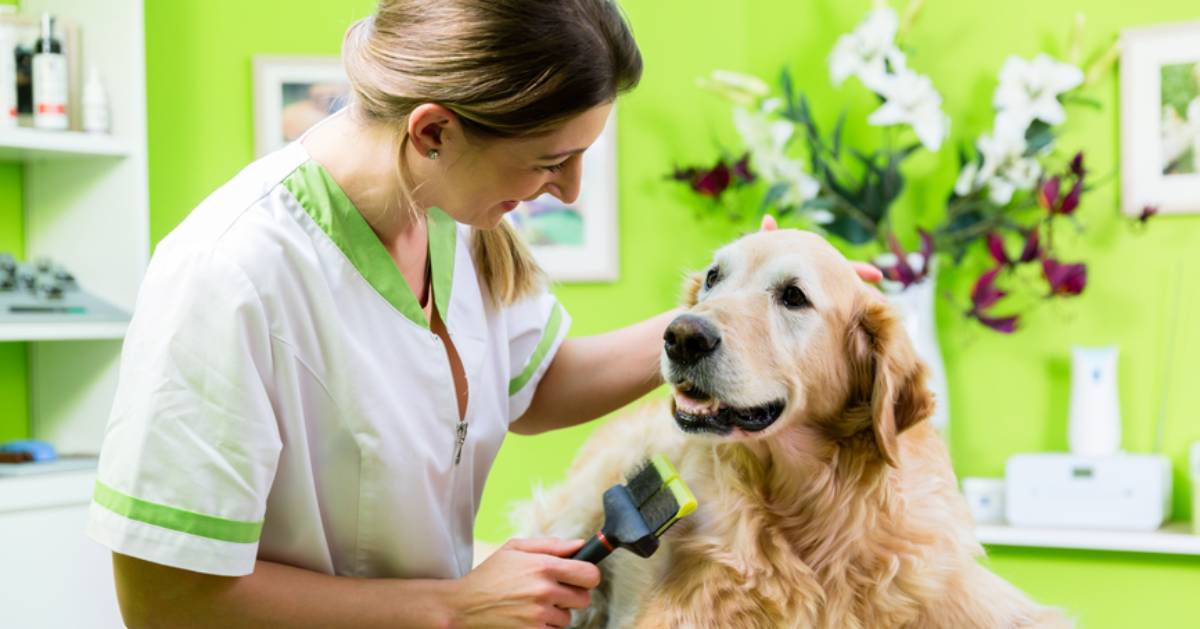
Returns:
(490, 178)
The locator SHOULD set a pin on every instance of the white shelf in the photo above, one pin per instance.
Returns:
(1175, 538)
(21, 144)
(46, 490)
(103, 330)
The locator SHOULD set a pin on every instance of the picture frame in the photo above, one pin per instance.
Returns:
(1160, 118)
(577, 242)
(291, 93)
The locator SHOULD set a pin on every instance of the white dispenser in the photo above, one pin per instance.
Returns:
(1095, 421)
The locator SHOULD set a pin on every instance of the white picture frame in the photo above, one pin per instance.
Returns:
(577, 242)
(291, 93)
(1160, 85)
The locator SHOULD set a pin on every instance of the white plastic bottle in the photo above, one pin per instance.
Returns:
(8, 70)
(95, 104)
(49, 80)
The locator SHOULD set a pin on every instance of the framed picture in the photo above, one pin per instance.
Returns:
(577, 242)
(293, 93)
(1160, 118)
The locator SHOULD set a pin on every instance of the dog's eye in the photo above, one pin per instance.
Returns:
(794, 298)
(710, 280)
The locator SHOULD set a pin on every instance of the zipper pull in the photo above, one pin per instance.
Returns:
(460, 438)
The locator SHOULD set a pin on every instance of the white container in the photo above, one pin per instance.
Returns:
(985, 499)
(1095, 422)
(1122, 492)
(95, 104)
(8, 70)
(50, 92)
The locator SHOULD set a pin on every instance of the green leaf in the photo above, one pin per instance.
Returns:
(849, 230)
(774, 194)
(837, 134)
(1038, 136)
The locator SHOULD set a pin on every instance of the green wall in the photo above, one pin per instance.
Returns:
(14, 405)
(1009, 394)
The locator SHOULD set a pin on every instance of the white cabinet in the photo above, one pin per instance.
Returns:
(86, 206)
(57, 576)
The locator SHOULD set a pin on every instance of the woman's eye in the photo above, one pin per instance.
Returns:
(710, 280)
(794, 298)
(553, 168)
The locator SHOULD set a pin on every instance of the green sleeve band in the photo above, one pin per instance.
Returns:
(176, 519)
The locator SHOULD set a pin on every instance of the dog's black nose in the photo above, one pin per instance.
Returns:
(690, 338)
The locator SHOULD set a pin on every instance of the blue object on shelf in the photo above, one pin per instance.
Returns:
(41, 450)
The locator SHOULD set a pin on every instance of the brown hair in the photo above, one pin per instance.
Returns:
(507, 68)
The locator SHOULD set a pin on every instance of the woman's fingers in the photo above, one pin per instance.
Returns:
(867, 272)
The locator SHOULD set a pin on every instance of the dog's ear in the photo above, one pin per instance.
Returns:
(890, 378)
(691, 288)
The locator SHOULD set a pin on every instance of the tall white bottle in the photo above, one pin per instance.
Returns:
(1095, 424)
(49, 80)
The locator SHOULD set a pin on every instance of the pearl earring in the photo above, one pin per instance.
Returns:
(433, 154)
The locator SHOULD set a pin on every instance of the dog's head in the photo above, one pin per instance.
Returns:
(781, 333)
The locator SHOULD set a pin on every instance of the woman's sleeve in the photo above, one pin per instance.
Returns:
(192, 443)
(537, 327)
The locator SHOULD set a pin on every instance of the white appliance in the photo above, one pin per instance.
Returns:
(1117, 492)
(1095, 420)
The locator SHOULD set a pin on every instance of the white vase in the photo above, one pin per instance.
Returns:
(915, 305)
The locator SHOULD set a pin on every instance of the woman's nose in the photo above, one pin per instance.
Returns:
(566, 183)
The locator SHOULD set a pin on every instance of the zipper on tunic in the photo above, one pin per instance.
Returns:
(460, 438)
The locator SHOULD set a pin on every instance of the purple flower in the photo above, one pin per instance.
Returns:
(1147, 212)
(713, 182)
(1033, 248)
(1077, 168)
(1048, 193)
(985, 294)
(995, 245)
(1064, 279)
(1071, 201)
(1003, 325)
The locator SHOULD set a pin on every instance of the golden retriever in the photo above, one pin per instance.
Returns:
(826, 501)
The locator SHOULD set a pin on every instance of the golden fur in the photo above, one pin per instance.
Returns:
(842, 514)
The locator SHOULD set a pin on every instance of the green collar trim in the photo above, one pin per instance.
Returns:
(332, 211)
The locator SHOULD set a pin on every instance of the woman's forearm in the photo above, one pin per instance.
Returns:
(593, 376)
(275, 595)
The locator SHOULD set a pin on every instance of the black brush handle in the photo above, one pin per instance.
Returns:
(594, 551)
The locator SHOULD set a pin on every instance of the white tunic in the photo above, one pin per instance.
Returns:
(281, 395)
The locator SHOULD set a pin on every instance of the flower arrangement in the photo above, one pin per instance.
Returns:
(1013, 186)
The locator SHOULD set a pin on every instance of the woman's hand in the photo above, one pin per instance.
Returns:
(527, 583)
(866, 271)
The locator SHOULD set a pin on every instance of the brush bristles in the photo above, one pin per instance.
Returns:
(644, 483)
(660, 511)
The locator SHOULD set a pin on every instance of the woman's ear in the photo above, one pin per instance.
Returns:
(430, 126)
(898, 396)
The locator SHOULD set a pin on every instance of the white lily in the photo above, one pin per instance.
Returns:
(911, 99)
(767, 139)
(760, 133)
(777, 168)
(968, 179)
(741, 89)
(1029, 90)
(1005, 167)
(868, 51)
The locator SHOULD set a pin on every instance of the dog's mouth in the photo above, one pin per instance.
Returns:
(698, 411)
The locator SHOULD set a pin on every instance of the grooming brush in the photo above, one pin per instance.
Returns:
(637, 513)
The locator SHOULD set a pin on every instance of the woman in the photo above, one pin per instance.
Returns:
(326, 354)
